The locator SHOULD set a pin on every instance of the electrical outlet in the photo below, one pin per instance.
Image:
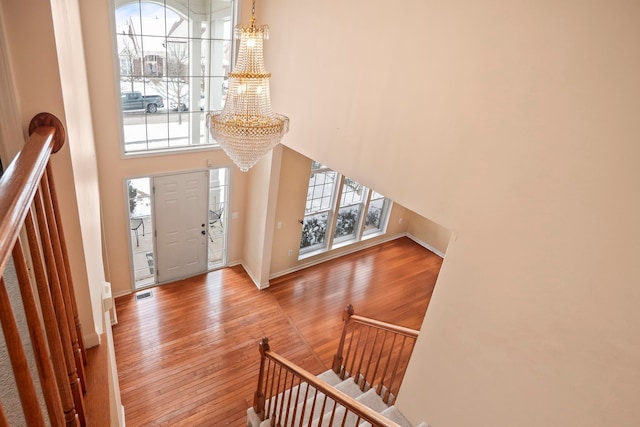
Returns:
(279, 224)
(290, 252)
(400, 220)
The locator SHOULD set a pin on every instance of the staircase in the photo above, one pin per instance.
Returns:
(359, 390)
(334, 413)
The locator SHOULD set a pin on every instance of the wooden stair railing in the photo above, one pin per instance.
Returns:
(376, 355)
(31, 219)
(280, 397)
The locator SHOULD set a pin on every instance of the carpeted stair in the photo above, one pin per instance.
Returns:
(349, 387)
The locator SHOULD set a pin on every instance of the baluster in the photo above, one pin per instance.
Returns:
(64, 276)
(295, 404)
(24, 382)
(271, 407)
(49, 317)
(280, 397)
(354, 337)
(60, 310)
(313, 407)
(3, 418)
(322, 411)
(286, 417)
(393, 375)
(364, 349)
(337, 358)
(370, 360)
(40, 350)
(304, 404)
(275, 396)
(382, 347)
(65, 256)
(333, 413)
(386, 367)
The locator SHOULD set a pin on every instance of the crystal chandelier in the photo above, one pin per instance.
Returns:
(247, 128)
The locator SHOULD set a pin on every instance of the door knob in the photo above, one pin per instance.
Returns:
(203, 232)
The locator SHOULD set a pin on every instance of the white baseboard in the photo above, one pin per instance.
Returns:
(121, 420)
(425, 245)
(254, 279)
(92, 339)
(122, 293)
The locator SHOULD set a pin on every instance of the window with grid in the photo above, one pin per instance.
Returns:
(319, 204)
(351, 203)
(334, 212)
(173, 56)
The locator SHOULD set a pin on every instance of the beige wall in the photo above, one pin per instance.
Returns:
(262, 192)
(515, 124)
(428, 233)
(40, 78)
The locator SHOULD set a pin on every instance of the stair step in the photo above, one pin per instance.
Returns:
(349, 387)
(329, 377)
(394, 415)
(369, 399)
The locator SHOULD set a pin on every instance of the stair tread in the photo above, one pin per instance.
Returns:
(372, 400)
(394, 414)
(349, 388)
(330, 377)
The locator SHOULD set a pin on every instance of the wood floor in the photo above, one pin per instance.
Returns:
(189, 355)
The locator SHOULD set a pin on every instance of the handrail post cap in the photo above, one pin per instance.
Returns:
(264, 345)
(48, 119)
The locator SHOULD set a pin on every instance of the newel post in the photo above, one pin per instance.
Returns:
(337, 358)
(258, 398)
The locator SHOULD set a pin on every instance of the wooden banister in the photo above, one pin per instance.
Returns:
(376, 353)
(19, 184)
(25, 185)
(401, 330)
(351, 405)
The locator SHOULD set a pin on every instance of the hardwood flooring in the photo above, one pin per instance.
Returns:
(189, 355)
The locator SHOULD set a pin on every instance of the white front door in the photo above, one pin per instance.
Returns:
(181, 220)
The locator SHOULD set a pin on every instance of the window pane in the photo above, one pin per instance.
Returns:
(314, 229)
(140, 226)
(374, 215)
(352, 192)
(378, 207)
(156, 19)
(320, 193)
(347, 221)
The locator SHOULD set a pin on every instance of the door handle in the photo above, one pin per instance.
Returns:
(203, 232)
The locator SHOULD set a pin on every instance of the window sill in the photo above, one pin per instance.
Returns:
(312, 253)
(169, 151)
